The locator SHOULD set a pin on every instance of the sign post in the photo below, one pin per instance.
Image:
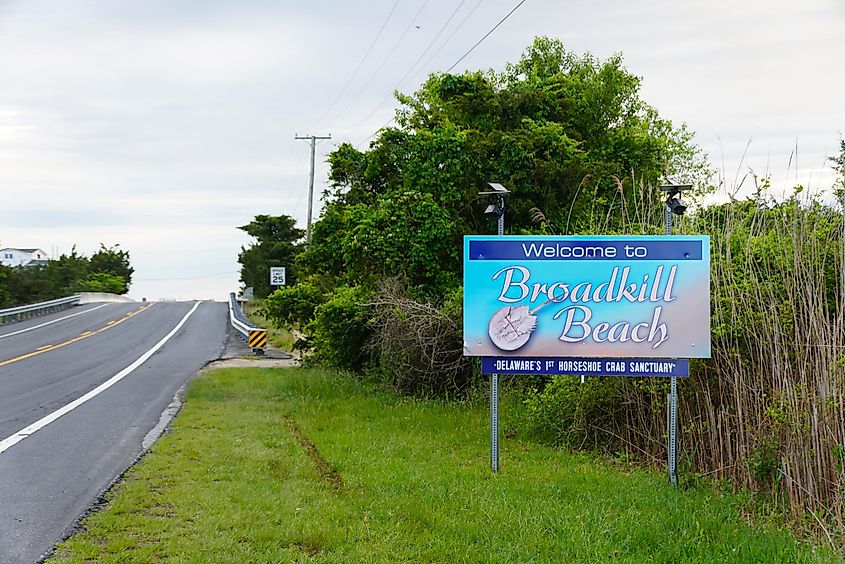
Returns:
(673, 396)
(674, 205)
(495, 210)
(494, 388)
(277, 275)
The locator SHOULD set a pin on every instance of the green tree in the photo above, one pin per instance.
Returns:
(107, 270)
(278, 242)
(114, 262)
(6, 274)
(30, 285)
(567, 134)
(63, 274)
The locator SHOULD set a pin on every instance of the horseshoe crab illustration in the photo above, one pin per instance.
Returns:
(511, 327)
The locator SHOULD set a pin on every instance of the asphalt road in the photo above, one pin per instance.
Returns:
(51, 473)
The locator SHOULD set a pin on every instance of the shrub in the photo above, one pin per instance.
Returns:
(419, 345)
(340, 329)
(569, 413)
(102, 282)
(293, 306)
(764, 462)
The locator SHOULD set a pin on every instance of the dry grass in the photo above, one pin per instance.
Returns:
(767, 412)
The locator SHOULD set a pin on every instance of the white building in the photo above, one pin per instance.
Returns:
(22, 257)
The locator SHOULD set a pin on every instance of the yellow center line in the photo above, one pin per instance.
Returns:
(48, 348)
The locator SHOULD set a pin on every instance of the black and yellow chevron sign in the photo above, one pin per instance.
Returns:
(258, 339)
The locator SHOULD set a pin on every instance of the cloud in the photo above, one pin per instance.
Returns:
(163, 126)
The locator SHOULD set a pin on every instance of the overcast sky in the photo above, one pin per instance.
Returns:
(161, 125)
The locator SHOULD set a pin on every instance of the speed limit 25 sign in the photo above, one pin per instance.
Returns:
(277, 275)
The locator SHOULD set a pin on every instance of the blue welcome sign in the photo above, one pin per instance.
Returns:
(602, 296)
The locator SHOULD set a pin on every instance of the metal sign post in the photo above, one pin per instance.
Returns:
(673, 396)
(497, 210)
(494, 422)
(674, 205)
(494, 384)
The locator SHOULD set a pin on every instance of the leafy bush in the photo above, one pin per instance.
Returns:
(294, 306)
(764, 462)
(102, 282)
(340, 329)
(114, 262)
(569, 413)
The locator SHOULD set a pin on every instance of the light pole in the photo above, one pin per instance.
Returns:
(674, 206)
(495, 210)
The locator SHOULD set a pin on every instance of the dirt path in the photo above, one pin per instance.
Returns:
(253, 363)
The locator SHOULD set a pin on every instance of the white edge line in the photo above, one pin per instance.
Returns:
(14, 439)
(51, 322)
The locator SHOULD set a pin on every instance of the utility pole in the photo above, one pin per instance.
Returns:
(313, 139)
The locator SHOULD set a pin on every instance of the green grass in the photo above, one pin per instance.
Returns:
(280, 337)
(231, 483)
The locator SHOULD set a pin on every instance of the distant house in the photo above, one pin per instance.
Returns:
(23, 257)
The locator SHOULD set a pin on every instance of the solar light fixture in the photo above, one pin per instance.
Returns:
(677, 205)
(673, 197)
(496, 209)
(496, 189)
(674, 205)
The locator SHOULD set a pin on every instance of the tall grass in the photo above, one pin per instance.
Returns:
(768, 409)
(767, 412)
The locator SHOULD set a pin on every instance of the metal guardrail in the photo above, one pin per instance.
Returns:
(253, 335)
(32, 310)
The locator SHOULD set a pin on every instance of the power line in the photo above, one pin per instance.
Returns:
(363, 60)
(387, 58)
(486, 35)
(471, 49)
(374, 133)
(442, 45)
(433, 41)
(451, 35)
(399, 84)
